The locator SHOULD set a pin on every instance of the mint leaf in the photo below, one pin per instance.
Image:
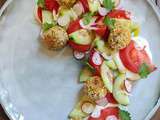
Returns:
(41, 3)
(144, 70)
(87, 18)
(109, 4)
(109, 22)
(47, 26)
(124, 115)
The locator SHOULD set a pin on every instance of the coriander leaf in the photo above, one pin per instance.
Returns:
(47, 26)
(41, 3)
(109, 22)
(124, 115)
(109, 4)
(87, 18)
(144, 70)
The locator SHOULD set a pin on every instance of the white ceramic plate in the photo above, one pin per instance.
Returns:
(43, 85)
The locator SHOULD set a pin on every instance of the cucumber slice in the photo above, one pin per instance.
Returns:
(100, 45)
(85, 74)
(78, 8)
(47, 17)
(81, 37)
(111, 64)
(119, 63)
(119, 92)
(63, 11)
(63, 20)
(107, 76)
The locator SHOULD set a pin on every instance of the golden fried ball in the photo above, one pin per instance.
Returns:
(94, 88)
(119, 39)
(55, 38)
(67, 3)
(120, 35)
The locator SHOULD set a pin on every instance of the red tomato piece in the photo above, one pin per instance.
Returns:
(129, 57)
(39, 13)
(121, 14)
(110, 98)
(74, 26)
(85, 5)
(106, 113)
(77, 47)
(110, 111)
(51, 5)
(133, 58)
(101, 31)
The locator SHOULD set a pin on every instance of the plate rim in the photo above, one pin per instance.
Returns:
(6, 102)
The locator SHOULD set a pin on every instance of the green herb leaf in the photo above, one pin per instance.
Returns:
(109, 22)
(124, 115)
(144, 70)
(86, 63)
(41, 3)
(47, 26)
(109, 4)
(87, 18)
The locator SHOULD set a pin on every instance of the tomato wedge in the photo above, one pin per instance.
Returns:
(121, 14)
(51, 5)
(74, 26)
(101, 31)
(133, 58)
(39, 13)
(110, 111)
(106, 113)
(85, 5)
(77, 47)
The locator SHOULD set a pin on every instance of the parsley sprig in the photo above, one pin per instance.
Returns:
(41, 3)
(109, 4)
(124, 115)
(144, 70)
(109, 22)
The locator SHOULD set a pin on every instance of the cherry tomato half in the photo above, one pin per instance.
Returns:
(121, 14)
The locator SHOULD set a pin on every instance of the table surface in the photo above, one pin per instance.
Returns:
(3, 116)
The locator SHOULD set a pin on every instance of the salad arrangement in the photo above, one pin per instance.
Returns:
(105, 39)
